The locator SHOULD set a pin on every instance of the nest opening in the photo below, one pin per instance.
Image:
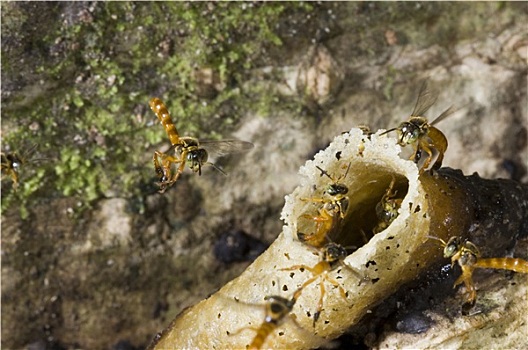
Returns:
(361, 221)
(367, 188)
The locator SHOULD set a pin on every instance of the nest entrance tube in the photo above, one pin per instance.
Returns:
(368, 191)
(439, 205)
(390, 256)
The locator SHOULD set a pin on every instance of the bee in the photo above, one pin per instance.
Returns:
(467, 255)
(187, 150)
(331, 214)
(332, 256)
(387, 208)
(421, 134)
(12, 162)
(276, 310)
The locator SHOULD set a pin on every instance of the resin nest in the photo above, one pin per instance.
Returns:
(440, 205)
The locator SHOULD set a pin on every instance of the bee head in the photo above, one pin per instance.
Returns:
(196, 159)
(336, 188)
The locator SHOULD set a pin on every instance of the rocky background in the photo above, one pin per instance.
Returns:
(93, 257)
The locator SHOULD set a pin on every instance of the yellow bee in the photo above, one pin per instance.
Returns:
(421, 134)
(277, 309)
(187, 149)
(387, 208)
(12, 162)
(332, 256)
(332, 213)
(467, 255)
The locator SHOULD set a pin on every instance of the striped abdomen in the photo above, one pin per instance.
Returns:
(163, 115)
(263, 332)
(513, 264)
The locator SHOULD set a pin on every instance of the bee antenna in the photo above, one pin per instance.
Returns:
(438, 239)
(348, 168)
(324, 172)
(351, 247)
(387, 131)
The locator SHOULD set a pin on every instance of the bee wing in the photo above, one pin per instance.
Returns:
(36, 160)
(30, 150)
(221, 148)
(444, 115)
(425, 100)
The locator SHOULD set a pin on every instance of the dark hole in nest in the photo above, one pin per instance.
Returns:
(370, 262)
(358, 227)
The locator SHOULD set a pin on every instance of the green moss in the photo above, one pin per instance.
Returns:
(101, 63)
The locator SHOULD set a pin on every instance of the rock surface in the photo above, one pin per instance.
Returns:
(124, 270)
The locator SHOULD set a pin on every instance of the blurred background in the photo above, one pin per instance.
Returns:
(94, 257)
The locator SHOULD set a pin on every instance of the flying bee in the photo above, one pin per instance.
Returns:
(187, 150)
(332, 256)
(387, 208)
(467, 255)
(12, 162)
(276, 310)
(421, 134)
(332, 213)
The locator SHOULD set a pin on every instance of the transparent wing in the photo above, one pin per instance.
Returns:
(31, 150)
(425, 100)
(221, 148)
(444, 115)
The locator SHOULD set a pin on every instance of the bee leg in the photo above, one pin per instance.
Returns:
(336, 284)
(169, 160)
(163, 169)
(14, 177)
(298, 267)
(243, 329)
(439, 158)
(322, 218)
(320, 303)
(160, 171)
(364, 236)
(314, 199)
(468, 283)
(435, 155)
(183, 156)
(310, 239)
(471, 296)
(390, 193)
(429, 158)
(361, 277)
(416, 152)
(320, 227)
